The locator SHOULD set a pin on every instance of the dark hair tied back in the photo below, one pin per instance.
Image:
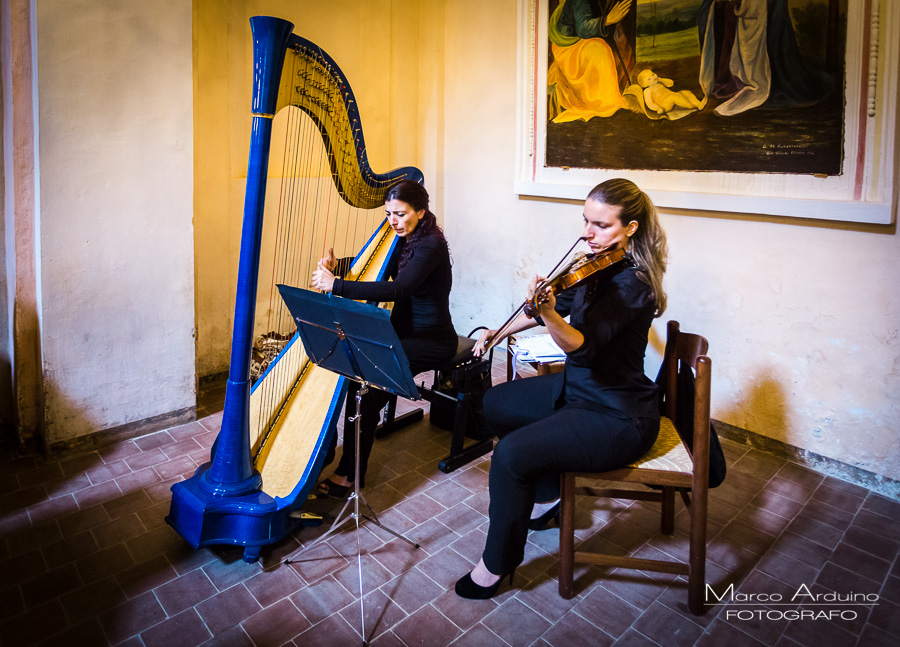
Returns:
(412, 193)
(415, 195)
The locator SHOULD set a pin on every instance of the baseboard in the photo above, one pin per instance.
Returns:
(211, 383)
(100, 439)
(213, 379)
(822, 464)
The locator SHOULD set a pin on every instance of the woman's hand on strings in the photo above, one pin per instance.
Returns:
(322, 278)
(565, 335)
(329, 262)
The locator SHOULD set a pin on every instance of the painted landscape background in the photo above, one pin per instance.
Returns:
(807, 140)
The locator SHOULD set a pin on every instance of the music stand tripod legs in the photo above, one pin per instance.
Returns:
(355, 497)
(372, 354)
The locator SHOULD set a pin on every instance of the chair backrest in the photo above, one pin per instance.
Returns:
(681, 348)
(689, 350)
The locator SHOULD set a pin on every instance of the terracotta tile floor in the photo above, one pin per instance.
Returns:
(87, 559)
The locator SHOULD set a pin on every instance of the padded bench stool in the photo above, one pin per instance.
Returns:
(450, 394)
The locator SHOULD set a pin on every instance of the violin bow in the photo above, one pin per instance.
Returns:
(501, 331)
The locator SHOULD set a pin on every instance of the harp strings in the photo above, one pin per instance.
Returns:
(295, 222)
(312, 217)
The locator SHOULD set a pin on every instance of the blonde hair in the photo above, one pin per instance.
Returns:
(648, 244)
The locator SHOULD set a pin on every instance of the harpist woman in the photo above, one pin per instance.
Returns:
(420, 291)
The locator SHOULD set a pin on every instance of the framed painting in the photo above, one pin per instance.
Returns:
(781, 107)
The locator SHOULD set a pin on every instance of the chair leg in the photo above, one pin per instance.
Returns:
(697, 557)
(567, 536)
(667, 525)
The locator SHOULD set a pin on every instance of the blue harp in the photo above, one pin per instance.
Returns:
(277, 428)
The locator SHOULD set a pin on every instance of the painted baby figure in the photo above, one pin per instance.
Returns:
(660, 99)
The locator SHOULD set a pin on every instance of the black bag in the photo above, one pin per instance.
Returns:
(684, 420)
(475, 379)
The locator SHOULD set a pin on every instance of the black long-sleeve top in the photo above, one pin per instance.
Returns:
(420, 291)
(606, 373)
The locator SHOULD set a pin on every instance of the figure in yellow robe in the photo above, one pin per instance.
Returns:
(583, 80)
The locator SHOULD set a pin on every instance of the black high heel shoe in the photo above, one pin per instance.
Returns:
(329, 488)
(543, 522)
(466, 587)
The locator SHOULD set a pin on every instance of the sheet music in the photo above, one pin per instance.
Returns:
(538, 348)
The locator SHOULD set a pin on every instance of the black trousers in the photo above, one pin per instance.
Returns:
(423, 353)
(538, 443)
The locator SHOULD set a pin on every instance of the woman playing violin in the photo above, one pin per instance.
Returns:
(601, 412)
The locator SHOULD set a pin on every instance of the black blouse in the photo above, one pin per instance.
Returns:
(606, 373)
(420, 291)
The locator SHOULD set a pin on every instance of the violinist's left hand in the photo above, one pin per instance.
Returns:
(547, 304)
(322, 278)
(546, 300)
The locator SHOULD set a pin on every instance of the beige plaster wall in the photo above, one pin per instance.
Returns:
(6, 271)
(115, 191)
(802, 317)
(7, 243)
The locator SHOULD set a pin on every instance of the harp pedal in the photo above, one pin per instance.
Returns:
(307, 518)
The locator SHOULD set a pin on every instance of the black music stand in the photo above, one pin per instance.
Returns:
(355, 340)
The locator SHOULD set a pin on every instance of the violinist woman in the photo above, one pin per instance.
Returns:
(601, 412)
(420, 291)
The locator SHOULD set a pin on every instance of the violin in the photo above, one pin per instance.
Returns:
(580, 270)
(575, 273)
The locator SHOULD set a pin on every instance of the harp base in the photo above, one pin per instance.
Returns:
(204, 519)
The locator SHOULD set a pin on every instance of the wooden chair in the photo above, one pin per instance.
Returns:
(669, 466)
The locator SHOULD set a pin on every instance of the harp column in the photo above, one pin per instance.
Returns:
(231, 472)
